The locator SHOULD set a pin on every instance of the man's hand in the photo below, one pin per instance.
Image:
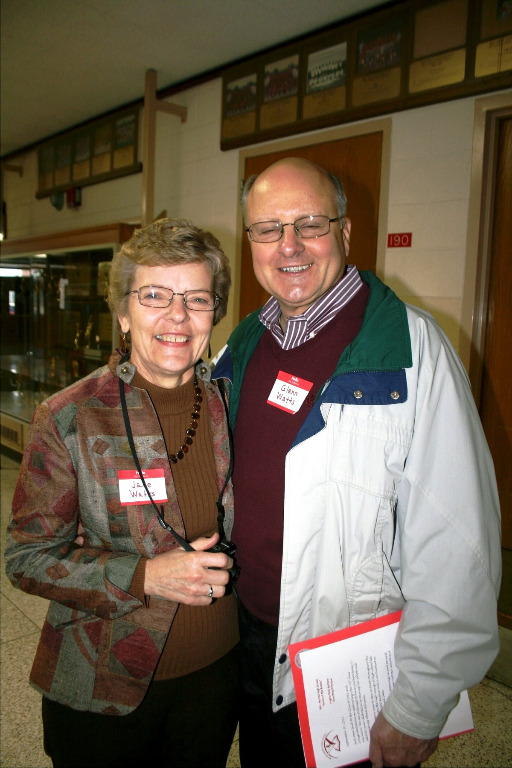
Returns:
(390, 747)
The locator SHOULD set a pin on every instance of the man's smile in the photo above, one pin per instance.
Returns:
(295, 269)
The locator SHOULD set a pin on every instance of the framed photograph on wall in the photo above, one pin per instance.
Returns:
(378, 63)
(406, 54)
(280, 92)
(104, 149)
(379, 47)
(326, 74)
(327, 68)
(239, 107)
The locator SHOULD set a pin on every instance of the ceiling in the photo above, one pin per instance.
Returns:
(64, 62)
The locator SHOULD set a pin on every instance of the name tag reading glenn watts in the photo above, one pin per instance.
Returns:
(289, 392)
(132, 491)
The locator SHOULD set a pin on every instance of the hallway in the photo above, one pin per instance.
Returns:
(21, 732)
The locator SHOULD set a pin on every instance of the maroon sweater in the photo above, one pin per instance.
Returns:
(263, 436)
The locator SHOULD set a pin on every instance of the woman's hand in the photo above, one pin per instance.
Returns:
(186, 577)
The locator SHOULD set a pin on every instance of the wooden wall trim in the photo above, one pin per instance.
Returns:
(78, 238)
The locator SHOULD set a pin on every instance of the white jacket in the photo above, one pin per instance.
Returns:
(401, 511)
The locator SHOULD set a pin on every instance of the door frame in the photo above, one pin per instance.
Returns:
(488, 112)
(319, 137)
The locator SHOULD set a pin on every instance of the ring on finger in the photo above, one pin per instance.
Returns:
(210, 593)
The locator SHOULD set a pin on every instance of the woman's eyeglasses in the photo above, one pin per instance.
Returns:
(158, 297)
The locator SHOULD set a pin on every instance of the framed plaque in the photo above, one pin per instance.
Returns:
(506, 54)
(496, 18)
(102, 153)
(240, 106)
(326, 73)
(82, 157)
(102, 150)
(380, 86)
(440, 27)
(46, 158)
(280, 89)
(63, 163)
(378, 58)
(124, 141)
(494, 56)
(405, 54)
(437, 71)
(439, 53)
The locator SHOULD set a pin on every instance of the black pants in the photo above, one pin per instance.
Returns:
(265, 737)
(188, 722)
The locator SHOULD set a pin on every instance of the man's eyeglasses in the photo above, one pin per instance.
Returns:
(305, 227)
(158, 297)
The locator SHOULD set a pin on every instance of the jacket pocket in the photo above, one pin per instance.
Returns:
(369, 451)
(373, 589)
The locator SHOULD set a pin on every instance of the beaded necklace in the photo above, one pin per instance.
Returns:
(191, 430)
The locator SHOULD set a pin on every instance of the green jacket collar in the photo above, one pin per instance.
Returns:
(382, 344)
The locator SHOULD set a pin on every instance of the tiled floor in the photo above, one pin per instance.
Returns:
(21, 733)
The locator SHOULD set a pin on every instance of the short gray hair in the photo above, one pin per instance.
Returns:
(168, 242)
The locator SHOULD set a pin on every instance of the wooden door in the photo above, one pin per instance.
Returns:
(496, 390)
(357, 162)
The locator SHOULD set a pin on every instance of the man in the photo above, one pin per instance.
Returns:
(362, 478)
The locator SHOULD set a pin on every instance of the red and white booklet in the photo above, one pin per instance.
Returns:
(342, 680)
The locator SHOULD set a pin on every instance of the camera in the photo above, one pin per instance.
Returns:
(229, 548)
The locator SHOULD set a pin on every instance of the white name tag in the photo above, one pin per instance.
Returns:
(132, 491)
(289, 392)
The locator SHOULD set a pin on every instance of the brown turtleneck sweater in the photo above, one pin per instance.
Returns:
(199, 635)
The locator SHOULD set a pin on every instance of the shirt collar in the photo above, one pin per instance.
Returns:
(301, 328)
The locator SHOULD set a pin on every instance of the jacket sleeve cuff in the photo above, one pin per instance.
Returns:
(137, 585)
(403, 720)
(120, 571)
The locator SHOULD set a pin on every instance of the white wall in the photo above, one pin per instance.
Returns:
(431, 150)
(429, 188)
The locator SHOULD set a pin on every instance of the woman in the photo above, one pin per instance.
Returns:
(137, 657)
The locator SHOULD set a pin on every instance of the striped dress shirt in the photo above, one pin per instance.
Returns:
(301, 328)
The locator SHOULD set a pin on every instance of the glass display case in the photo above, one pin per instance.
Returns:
(55, 322)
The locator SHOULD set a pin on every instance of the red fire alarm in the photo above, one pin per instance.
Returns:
(74, 197)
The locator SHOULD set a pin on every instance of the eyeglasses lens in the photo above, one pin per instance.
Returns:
(305, 227)
(159, 297)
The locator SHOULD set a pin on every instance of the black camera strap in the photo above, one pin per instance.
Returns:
(160, 512)
(221, 514)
